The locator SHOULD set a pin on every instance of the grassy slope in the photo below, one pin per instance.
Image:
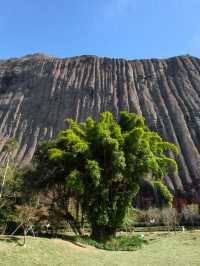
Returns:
(182, 249)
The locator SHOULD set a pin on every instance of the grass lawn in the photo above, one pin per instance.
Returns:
(181, 249)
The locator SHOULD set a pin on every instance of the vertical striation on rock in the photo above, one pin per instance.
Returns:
(38, 92)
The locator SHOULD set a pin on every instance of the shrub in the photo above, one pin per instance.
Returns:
(154, 215)
(150, 216)
(170, 218)
(120, 243)
(190, 213)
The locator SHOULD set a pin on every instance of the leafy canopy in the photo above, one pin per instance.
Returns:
(104, 162)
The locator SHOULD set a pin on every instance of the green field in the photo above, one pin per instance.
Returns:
(181, 249)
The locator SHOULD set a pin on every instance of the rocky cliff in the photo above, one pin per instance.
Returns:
(37, 92)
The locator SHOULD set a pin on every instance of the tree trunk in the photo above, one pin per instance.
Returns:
(24, 244)
(75, 225)
(103, 233)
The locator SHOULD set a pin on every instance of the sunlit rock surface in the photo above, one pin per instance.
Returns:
(38, 92)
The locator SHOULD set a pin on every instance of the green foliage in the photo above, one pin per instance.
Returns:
(101, 165)
(130, 218)
(120, 243)
(55, 154)
(10, 145)
(164, 192)
(74, 181)
(94, 171)
(8, 148)
(6, 213)
(11, 192)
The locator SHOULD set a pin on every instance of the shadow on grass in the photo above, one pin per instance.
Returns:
(11, 239)
(17, 240)
(69, 238)
(73, 240)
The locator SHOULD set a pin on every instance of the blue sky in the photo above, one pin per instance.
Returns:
(115, 28)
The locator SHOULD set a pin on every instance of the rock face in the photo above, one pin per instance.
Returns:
(38, 92)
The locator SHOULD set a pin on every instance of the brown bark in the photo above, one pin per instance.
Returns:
(103, 233)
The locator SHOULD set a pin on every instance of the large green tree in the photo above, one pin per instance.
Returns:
(101, 164)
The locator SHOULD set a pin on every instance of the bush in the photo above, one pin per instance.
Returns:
(120, 243)
(154, 216)
(170, 218)
(150, 216)
(190, 214)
